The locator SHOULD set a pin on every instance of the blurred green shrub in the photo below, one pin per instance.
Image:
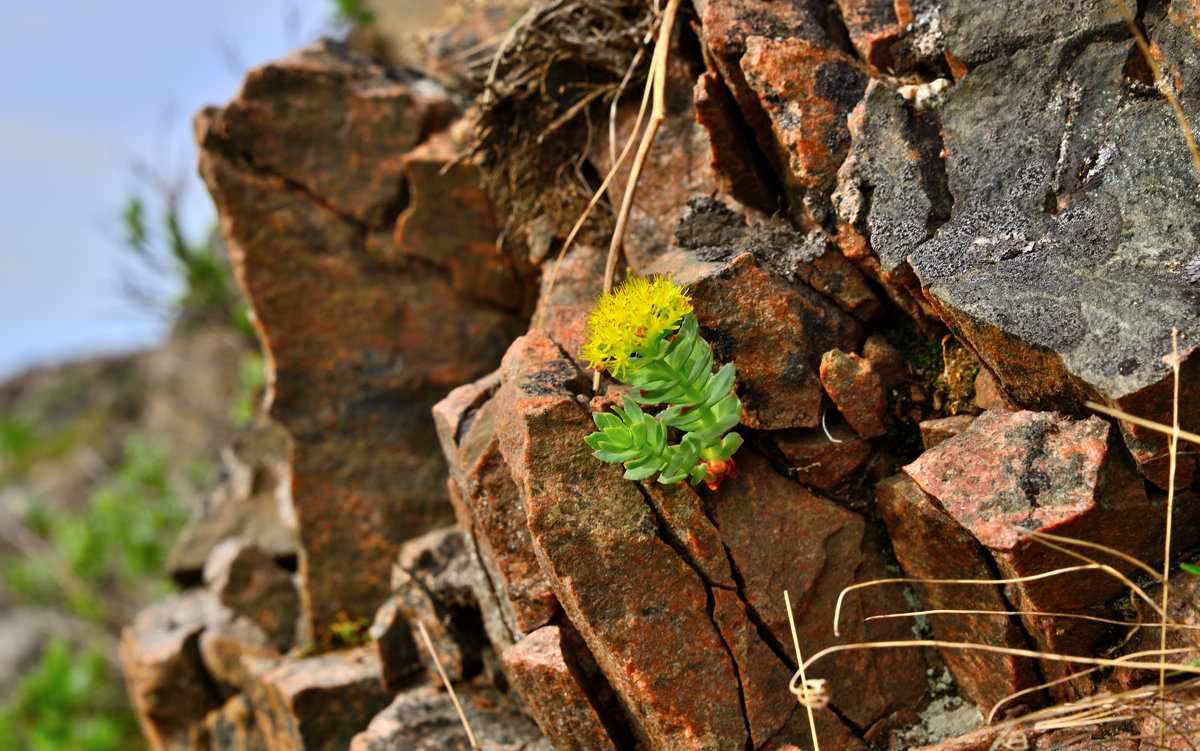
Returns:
(69, 700)
(100, 563)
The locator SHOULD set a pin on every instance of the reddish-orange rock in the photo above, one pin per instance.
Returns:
(773, 331)
(639, 606)
(563, 708)
(337, 127)
(739, 168)
(857, 390)
(935, 431)
(807, 91)
(873, 28)
(489, 508)
(913, 519)
(717, 233)
(357, 351)
(782, 537)
(817, 460)
(450, 221)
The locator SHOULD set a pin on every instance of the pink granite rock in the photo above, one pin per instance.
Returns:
(1045, 472)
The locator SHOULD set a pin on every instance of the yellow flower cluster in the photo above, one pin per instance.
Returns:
(637, 312)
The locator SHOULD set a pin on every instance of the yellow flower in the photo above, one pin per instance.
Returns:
(638, 312)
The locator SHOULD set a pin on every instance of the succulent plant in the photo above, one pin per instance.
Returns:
(645, 334)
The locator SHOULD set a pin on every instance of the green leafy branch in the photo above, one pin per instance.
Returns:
(646, 334)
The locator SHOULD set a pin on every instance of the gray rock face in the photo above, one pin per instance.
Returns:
(1074, 194)
(979, 31)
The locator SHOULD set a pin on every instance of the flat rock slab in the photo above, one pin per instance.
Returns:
(1074, 194)
(489, 508)
(643, 610)
(781, 536)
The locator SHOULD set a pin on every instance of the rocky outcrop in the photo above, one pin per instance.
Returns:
(923, 238)
(363, 334)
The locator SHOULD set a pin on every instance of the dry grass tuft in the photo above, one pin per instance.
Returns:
(544, 101)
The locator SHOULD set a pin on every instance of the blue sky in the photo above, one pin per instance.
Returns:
(93, 87)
